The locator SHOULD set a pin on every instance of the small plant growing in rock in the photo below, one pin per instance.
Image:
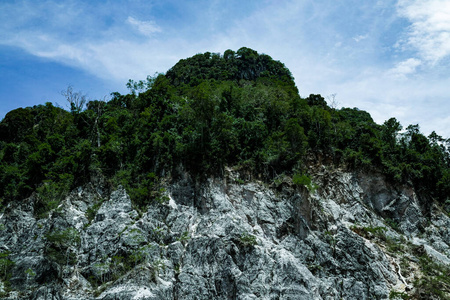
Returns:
(277, 181)
(314, 268)
(393, 224)
(395, 245)
(100, 290)
(140, 255)
(240, 181)
(92, 210)
(394, 295)
(64, 238)
(102, 271)
(156, 267)
(5, 288)
(329, 237)
(158, 234)
(118, 266)
(370, 232)
(30, 274)
(434, 282)
(161, 196)
(62, 245)
(51, 193)
(5, 266)
(304, 180)
(135, 237)
(248, 240)
(184, 237)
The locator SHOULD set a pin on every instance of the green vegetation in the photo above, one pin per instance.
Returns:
(378, 234)
(304, 180)
(112, 268)
(5, 272)
(434, 282)
(248, 240)
(5, 266)
(140, 255)
(62, 245)
(393, 224)
(369, 231)
(30, 274)
(92, 210)
(184, 237)
(394, 295)
(240, 109)
(431, 280)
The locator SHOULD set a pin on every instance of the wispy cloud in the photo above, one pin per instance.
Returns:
(109, 46)
(147, 28)
(404, 68)
(360, 38)
(429, 32)
(363, 52)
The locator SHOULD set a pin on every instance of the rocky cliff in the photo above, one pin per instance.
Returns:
(349, 236)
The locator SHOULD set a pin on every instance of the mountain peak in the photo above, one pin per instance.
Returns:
(245, 63)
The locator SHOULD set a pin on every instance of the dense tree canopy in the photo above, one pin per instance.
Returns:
(209, 111)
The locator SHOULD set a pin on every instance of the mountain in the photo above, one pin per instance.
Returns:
(217, 180)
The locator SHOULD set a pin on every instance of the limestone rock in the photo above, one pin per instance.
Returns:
(222, 239)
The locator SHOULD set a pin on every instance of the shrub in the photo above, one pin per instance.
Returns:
(51, 193)
(393, 295)
(92, 210)
(369, 231)
(248, 240)
(304, 180)
(434, 281)
(62, 245)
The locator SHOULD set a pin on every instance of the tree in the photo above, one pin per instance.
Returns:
(16, 125)
(317, 100)
(333, 103)
(76, 100)
(296, 137)
(389, 132)
(140, 86)
(93, 114)
(229, 54)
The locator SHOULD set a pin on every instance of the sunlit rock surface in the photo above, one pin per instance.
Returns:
(352, 237)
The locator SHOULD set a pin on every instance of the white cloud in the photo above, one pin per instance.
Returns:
(404, 68)
(417, 100)
(429, 32)
(147, 28)
(63, 32)
(307, 36)
(440, 125)
(389, 87)
(360, 38)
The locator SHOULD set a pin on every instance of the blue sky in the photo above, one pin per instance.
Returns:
(388, 57)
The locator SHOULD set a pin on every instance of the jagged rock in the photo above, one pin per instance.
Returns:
(223, 240)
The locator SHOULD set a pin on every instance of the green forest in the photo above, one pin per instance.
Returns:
(241, 109)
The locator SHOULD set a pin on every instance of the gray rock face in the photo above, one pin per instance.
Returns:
(221, 240)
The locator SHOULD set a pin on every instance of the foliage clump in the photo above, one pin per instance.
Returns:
(62, 245)
(248, 240)
(244, 64)
(304, 180)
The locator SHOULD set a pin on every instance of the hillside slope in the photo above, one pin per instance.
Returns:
(217, 180)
